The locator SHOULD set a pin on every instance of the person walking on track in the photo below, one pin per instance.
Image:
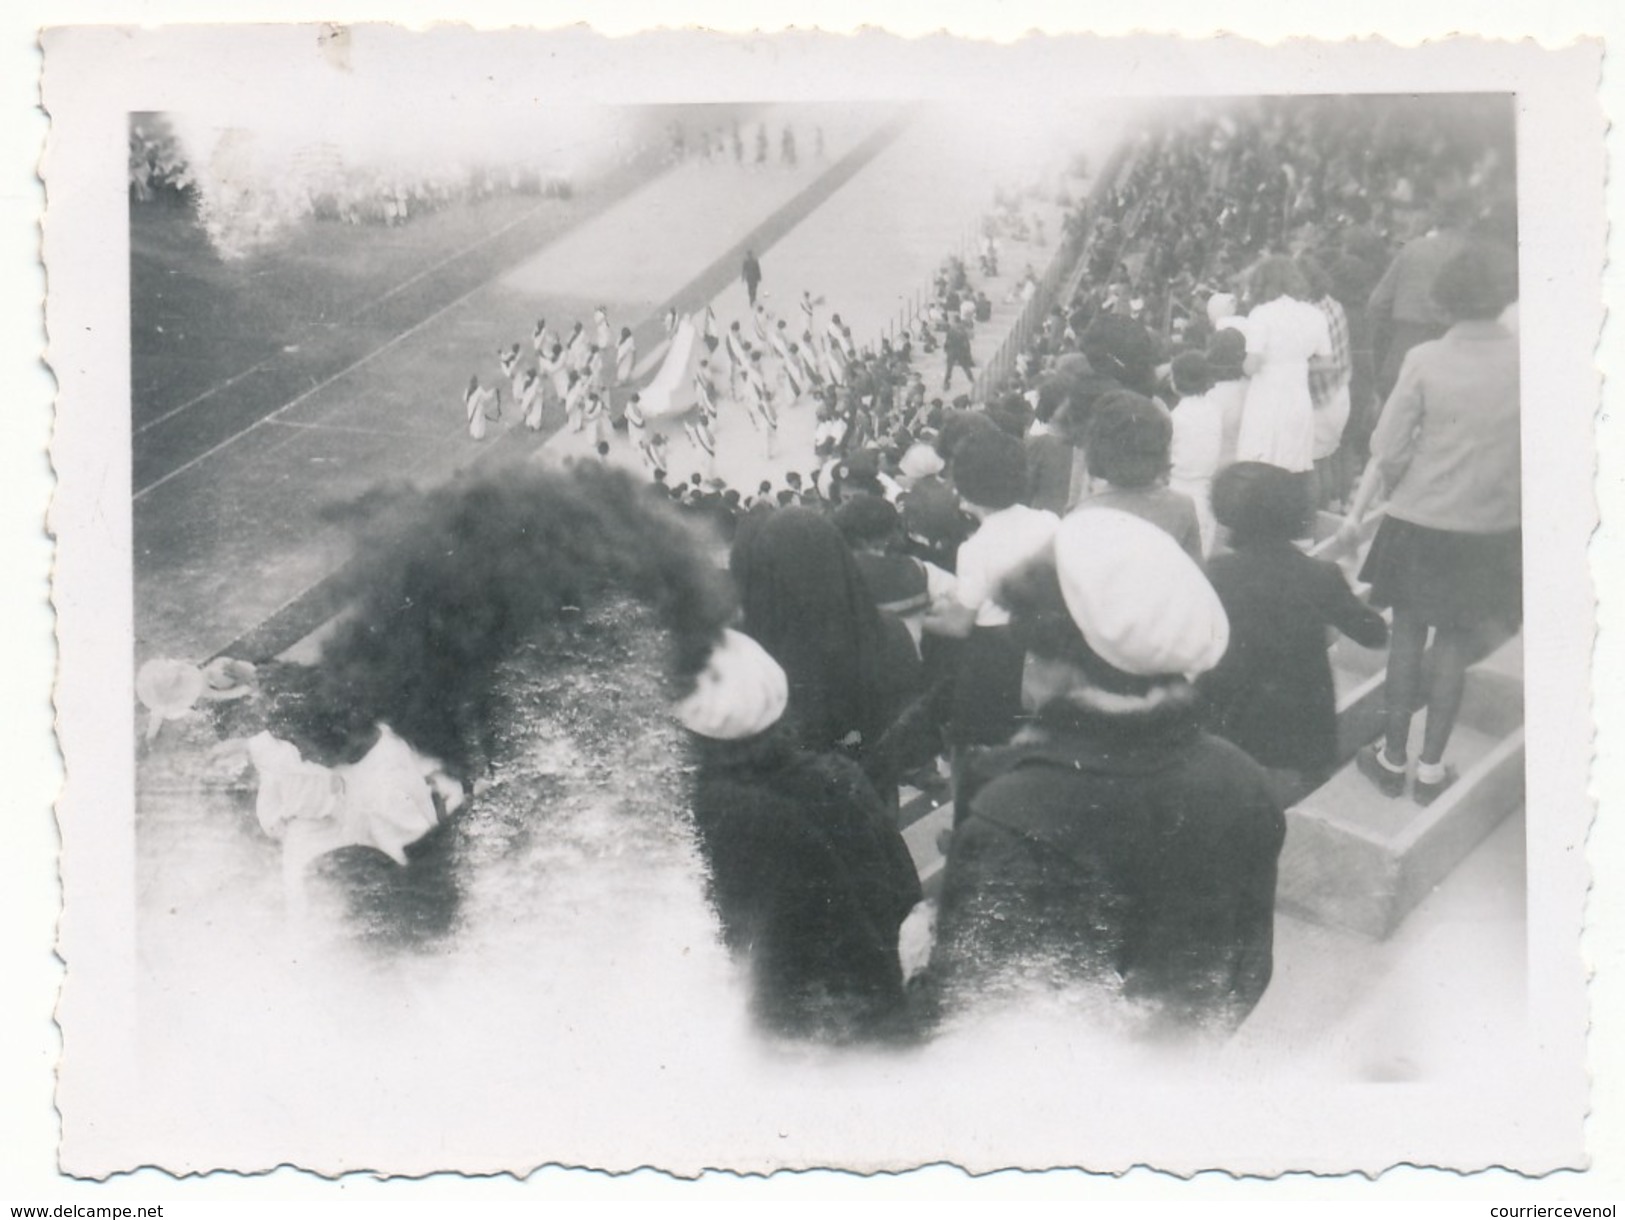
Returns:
(751, 273)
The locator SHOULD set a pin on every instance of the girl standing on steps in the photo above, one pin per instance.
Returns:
(1448, 556)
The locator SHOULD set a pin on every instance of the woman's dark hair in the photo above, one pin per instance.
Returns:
(1278, 276)
(1258, 502)
(1315, 277)
(1477, 283)
(990, 469)
(806, 603)
(866, 519)
(1085, 391)
(1128, 439)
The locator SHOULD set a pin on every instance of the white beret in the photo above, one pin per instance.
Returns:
(167, 687)
(741, 692)
(1138, 599)
(920, 462)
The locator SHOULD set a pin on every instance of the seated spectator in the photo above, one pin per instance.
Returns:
(809, 876)
(900, 583)
(1272, 693)
(1114, 850)
(804, 600)
(1127, 448)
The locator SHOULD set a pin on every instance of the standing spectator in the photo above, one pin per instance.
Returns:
(1050, 452)
(956, 349)
(1272, 694)
(1121, 348)
(751, 273)
(1284, 332)
(1127, 447)
(1449, 553)
(933, 522)
(1403, 308)
(1329, 389)
(1226, 362)
(1114, 847)
(990, 473)
(1198, 434)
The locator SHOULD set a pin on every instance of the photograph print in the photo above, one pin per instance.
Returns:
(751, 621)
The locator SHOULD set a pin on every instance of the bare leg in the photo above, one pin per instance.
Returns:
(1452, 654)
(1406, 644)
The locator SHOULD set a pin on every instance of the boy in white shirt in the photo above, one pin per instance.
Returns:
(990, 474)
(1198, 434)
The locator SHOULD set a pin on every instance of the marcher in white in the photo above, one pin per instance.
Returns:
(578, 346)
(596, 412)
(557, 369)
(637, 424)
(575, 401)
(738, 359)
(478, 403)
(699, 436)
(602, 335)
(626, 355)
(529, 395)
(509, 359)
(705, 394)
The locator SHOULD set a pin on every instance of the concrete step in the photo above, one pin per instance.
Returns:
(1359, 860)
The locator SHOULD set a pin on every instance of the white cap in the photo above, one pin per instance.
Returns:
(920, 462)
(741, 692)
(168, 687)
(1138, 599)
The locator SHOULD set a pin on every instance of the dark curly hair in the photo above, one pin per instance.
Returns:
(447, 585)
(1128, 439)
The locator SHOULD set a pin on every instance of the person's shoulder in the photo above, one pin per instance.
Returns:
(1227, 767)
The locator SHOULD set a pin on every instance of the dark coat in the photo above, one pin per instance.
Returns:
(811, 880)
(1129, 852)
(1272, 693)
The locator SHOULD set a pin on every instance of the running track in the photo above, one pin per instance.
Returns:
(230, 552)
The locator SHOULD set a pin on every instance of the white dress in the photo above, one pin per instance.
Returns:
(1277, 423)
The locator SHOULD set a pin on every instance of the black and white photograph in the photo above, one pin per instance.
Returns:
(778, 602)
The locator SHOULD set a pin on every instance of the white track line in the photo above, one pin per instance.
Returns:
(401, 287)
(379, 432)
(315, 389)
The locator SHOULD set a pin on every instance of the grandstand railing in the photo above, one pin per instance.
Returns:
(1070, 262)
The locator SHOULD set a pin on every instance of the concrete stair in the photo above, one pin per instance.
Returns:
(1359, 860)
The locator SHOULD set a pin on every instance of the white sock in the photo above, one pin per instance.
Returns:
(1430, 773)
(1382, 757)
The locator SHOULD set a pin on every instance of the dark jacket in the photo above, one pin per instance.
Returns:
(811, 880)
(1129, 853)
(1272, 693)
